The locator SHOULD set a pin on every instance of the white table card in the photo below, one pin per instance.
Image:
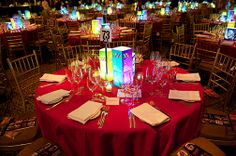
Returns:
(112, 100)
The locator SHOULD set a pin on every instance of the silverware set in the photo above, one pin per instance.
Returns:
(102, 118)
(132, 122)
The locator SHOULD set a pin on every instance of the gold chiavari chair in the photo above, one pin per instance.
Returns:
(166, 30)
(15, 44)
(222, 80)
(92, 46)
(26, 73)
(204, 56)
(217, 100)
(40, 41)
(180, 34)
(144, 43)
(129, 24)
(183, 54)
(199, 28)
(71, 53)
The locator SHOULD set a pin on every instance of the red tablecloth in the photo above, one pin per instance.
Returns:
(27, 35)
(116, 138)
(211, 45)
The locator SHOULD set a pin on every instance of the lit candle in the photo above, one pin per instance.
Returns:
(108, 87)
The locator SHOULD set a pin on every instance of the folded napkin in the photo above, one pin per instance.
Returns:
(121, 93)
(52, 78)
(184, 95)
(150, 115)
(53, 97)
(85, 112)
(188, 77)
(127, 30)
(170, 63)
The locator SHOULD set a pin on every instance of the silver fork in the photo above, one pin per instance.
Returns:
(103, 116)
(132, 123)
(133, 119)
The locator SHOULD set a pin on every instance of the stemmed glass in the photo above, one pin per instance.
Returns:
(91, 85)
(91, 82)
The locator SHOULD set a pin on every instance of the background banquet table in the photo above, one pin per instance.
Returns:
(115, 137)
(226, 47)
(28, 35)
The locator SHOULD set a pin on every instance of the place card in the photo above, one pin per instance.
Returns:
(112, 100)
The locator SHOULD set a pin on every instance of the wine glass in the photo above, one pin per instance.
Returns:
(91, 85)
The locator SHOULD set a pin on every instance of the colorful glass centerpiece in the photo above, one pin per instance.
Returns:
(122, 62)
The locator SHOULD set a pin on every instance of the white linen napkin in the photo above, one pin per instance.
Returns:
(170, 63)
(150, 115)
(52, 78)
(85, 112)
(184, 95)
(53, 97)
(188, 77)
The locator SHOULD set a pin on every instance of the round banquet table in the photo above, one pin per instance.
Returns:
(28, 35)
(211, 44)
(115, 138)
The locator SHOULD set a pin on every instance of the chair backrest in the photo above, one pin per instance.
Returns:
(26, 73)
(180, 34)
(223, 76)
(166, 29)
(72, 52)
(183, 54)
(39, 20)
(15, 44)
(92, 46)
(205, 55)
(200, 27)
(126, 23)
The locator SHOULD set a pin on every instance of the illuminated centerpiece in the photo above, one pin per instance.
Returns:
(96, 26)
(106, 75)
(122, 65)
(27, 14)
